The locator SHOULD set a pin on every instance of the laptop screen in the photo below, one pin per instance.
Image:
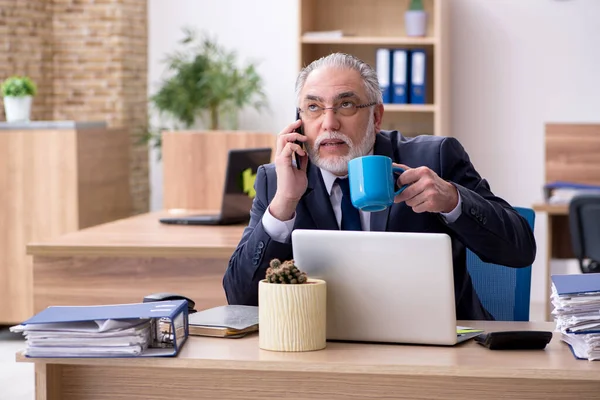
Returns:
(238, 191)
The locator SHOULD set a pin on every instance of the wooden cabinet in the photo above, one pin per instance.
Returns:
(370, 24)
(195, 163)
(55, 178)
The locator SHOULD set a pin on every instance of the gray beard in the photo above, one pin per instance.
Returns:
(338, 165)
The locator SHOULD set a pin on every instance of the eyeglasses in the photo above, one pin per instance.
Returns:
(346, 108)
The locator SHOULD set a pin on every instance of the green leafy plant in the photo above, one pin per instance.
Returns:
(18, 86)
(416, 5)
(285, 273)
(206, 82)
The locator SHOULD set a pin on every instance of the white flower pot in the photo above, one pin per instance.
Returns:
(17, 109)
(415, 23)
(292, 317)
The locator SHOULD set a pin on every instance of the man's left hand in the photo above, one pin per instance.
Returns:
(427, 192)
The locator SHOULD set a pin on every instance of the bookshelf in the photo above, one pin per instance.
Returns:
(370, 24)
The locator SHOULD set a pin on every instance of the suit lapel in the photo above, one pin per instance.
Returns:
(317, 200)
(383, 147)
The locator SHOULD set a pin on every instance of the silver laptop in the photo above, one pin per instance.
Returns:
(383, 286)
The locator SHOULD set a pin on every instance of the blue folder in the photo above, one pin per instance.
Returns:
(418, 77)
(569, 185)
(399, 76)
(169, 327)
(576, 284)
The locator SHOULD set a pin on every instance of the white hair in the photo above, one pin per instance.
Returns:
(344, 61)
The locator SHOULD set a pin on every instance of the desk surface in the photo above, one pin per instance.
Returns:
(464, 360)
(552, 209)
(143, 235)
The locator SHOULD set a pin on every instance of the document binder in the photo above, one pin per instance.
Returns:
(384, 73)
(417, 77)
(576, 284)
(155, 329)
(399, 77)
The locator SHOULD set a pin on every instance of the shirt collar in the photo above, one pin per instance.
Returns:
(329, 180)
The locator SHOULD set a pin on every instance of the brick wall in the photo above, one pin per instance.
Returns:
(26, 49)
(89, 58)
(134, 32)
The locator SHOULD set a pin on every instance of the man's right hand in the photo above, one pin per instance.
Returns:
(291, 181)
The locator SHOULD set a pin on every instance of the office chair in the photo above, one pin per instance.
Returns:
(584, 223)
(503, 291)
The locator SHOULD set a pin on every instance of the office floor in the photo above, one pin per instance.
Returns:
(16, 379)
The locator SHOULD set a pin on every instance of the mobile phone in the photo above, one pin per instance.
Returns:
(300, 130)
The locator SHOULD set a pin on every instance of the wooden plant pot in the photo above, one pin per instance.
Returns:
(292, 317)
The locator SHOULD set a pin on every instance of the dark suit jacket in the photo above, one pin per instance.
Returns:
(488, 225)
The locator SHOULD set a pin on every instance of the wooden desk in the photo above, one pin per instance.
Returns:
(125, 260)
(213, 368)
(558, 241)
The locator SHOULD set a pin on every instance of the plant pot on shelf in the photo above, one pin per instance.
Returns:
(17, 109)
(291, 316)
(415, 22)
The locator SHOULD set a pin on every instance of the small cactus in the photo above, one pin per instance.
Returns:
(284, 272)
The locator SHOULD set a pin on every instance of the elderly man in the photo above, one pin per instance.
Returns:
(341, 110)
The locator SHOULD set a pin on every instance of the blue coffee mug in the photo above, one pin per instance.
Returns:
(372, 180)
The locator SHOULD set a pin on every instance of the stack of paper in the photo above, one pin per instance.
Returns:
(119, 330)
(87, 338)
(576, 300)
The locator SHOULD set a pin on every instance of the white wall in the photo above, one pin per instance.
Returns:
(516, 64)
(259, 30)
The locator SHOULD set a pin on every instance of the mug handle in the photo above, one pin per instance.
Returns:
(399, 170)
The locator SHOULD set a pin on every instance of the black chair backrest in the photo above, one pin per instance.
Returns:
(584, 221)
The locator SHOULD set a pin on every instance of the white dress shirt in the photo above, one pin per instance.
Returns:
(280, 231)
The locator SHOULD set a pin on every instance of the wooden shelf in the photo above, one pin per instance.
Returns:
(361, 28)
(410, 107)
(372, 40)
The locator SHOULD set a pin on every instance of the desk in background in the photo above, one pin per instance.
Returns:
(122, 261)
(571, 156)
(216, 368)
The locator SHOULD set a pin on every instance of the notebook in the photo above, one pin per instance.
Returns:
(232, 321)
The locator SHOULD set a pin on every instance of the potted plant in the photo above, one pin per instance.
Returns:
(415, 19)
(205, 84)
(197, 105)
(291, 309)
(18, 92)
